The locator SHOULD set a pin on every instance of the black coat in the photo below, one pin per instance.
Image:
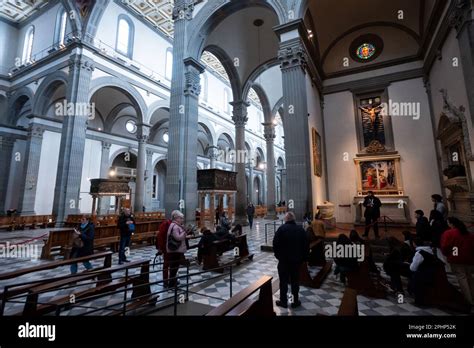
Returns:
(123, 226)
(290, 244)
(251, 210)
(423, 228)
(87, 236)
(374, 211)
(437, 228)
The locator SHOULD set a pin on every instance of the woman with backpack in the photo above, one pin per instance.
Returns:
(457, 244)
(175, 246)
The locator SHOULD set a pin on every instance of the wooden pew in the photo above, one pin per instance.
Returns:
(103, 285)
(105, 237)
(14, 291)
(348, 305)
(361, 281)
(305, 277)
(242, 305)
(7, 223)
(218, 247)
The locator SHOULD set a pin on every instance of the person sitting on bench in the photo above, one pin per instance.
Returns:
(85, 237)
(237, 230)
(204, 243)
(356, 239)
(397, 263)
(319, 229)
(344, 264)
(223, 234)
(423, 268)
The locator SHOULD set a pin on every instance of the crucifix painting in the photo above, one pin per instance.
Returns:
(372, 124)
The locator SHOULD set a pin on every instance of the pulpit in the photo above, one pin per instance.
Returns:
(215, 183)
(108, 187)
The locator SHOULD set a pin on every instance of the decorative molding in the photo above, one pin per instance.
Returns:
(460, 15)
(373, 82)
(456, 114)
(292, 54)
(239, 113)
(81, 62)
(183, 9)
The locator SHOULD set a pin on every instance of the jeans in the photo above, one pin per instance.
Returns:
(166, 268)
(86, 264)
(250, 217)
(174, 259)
(368, 221)
(289, 273)
(124, 242)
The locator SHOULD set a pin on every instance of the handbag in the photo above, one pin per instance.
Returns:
(131, 227)
(77, 242)
(172, 243)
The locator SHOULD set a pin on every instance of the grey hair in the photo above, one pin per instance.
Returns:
(290, 216)
(176, 214)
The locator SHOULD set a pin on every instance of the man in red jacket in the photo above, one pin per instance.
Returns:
(457, 244)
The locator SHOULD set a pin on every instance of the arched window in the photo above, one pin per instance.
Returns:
(28, 45)
(226, 101)
(204, 87)
(125, 35)
(169, 64)
(61, 24)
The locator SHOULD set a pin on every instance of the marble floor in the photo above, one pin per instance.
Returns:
(212, 289)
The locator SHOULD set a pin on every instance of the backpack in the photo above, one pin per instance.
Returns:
(161, 235)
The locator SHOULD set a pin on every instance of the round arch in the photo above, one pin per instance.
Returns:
(119, 151)
(43, 93)
(249, 83)
(267, 111)
(160, 104)
(214, 12)
(230, 69)
(23, 92)
(132, 93)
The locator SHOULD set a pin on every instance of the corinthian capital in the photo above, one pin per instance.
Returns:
(183, 9)
(292, 54)
(239, 112)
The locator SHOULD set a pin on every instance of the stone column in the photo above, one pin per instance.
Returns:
(202, 201)
(181, 180)
(142, 136)
(462, 20)
(32, 163)
(104, 202)
(73, 139)
(230, 205)
(283, 185)
(269, 135)
(293, 58)
(212, 210)
(240, 119)
(6, 152)
(149, 180)
(250, 193)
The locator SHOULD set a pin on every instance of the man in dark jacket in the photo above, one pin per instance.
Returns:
(126, 225)
(372, 213)
(422, 226)
(250, 213)
(291, 248)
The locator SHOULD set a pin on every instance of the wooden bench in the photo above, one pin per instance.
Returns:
(11, 290)
(218, 247)
(305, 276)
(60, 241)
(103, 285)
(242, 305)
(348, 305)
(11, 223)
(362, 281)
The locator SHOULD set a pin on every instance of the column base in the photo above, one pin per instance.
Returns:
(241, 221)
(271, 216)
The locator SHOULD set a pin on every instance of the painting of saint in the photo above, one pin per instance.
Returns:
(317, 158)
(378, 176)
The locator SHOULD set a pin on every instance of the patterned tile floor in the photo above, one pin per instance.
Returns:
(213, 292)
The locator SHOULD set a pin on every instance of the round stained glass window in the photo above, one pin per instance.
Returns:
(131, 126)
(365, 51)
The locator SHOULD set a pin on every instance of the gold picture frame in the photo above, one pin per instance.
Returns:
(317, 158)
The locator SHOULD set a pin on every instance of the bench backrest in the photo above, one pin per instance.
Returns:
(54, 264)
(242, 305)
